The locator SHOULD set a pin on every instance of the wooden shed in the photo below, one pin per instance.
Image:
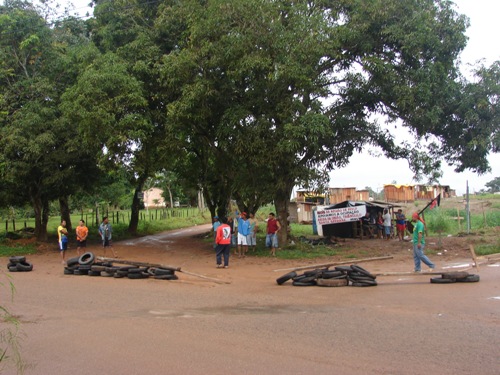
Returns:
(337, 195)
(399, 193)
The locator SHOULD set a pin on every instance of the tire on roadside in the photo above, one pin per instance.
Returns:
(440, 280)
(469, 279)
(24, 266)
(454, 275)
(17, 259)
(87, 259)
(282, 279)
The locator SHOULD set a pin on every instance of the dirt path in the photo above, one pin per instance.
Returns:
(405, 325)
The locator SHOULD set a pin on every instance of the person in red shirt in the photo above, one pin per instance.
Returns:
(223, 243)
(273, 227)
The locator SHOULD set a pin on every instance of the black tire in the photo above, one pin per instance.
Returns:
(134, 275)
(332, 282)
(119, 275)
(361, 270)
(455, 275)
(308, 279)
(300, 283)
(134, 270)
(17, 259)
(360, 278)
(469, 279)
(13, 269)
(111, 269)
(94, 273)
(87, 259)
(122, 273)
(290, 275)
(85, 267)
(72, 261)
(106, 274)
(332, 274)
(316, 272)
(166, 277)
(24, 266)
(343, 268)
(10, 264)
(299, 277)
(439, 280)
(68, 271)
(97, 268)
(80, 272)
(163, 271)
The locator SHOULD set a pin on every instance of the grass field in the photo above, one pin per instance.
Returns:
(448, 219)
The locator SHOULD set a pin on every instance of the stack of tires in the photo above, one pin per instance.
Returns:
(86, 265)
(455, 277)
(339, 276)
(19, 264)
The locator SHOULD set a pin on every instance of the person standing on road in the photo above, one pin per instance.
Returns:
(223, 243)
(419, 244)
(400, 224)
(273, 227)
(387, 224)
(62, 234)
(243, 232)
(82, 233)
(106, 233)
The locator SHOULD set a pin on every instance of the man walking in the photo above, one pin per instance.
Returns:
(419, 244)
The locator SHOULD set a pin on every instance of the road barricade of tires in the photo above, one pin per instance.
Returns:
(86, 265)
(19, 264)
(455, 277)
(353, 275)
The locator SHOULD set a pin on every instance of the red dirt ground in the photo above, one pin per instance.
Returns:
(247, 324)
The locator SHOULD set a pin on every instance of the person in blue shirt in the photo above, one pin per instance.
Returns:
(243, 232)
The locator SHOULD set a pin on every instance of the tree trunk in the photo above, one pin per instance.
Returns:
(40, 209)
(281, 202)
(65, 212)
(136, 207)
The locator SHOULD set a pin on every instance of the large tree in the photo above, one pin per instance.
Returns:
(296, 87)
(41, 157)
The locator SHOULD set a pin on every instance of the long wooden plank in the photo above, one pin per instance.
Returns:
(158, 265)
(140, 264)
(474, 258)
(353, 261)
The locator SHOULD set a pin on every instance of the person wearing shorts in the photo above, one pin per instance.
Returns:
(62, 234)
(252, 237)
(82, 233)
(273, 227)
(243, 232)
(400, 224)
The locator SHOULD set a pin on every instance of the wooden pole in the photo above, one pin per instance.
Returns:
(474, 258)
(354, 261)
(157, 265)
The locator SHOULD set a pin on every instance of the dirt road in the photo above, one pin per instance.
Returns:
(97, 325)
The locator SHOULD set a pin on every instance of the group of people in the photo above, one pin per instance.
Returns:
(384, 225)
(82, 232)
(242, 234)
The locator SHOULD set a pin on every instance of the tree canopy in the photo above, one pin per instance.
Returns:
(247, 99)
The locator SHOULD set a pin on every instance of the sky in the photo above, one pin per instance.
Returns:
(364, 170)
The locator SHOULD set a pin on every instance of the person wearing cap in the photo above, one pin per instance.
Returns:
(215, 225)
(419, 244)
(243, 232)
(400, 224)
